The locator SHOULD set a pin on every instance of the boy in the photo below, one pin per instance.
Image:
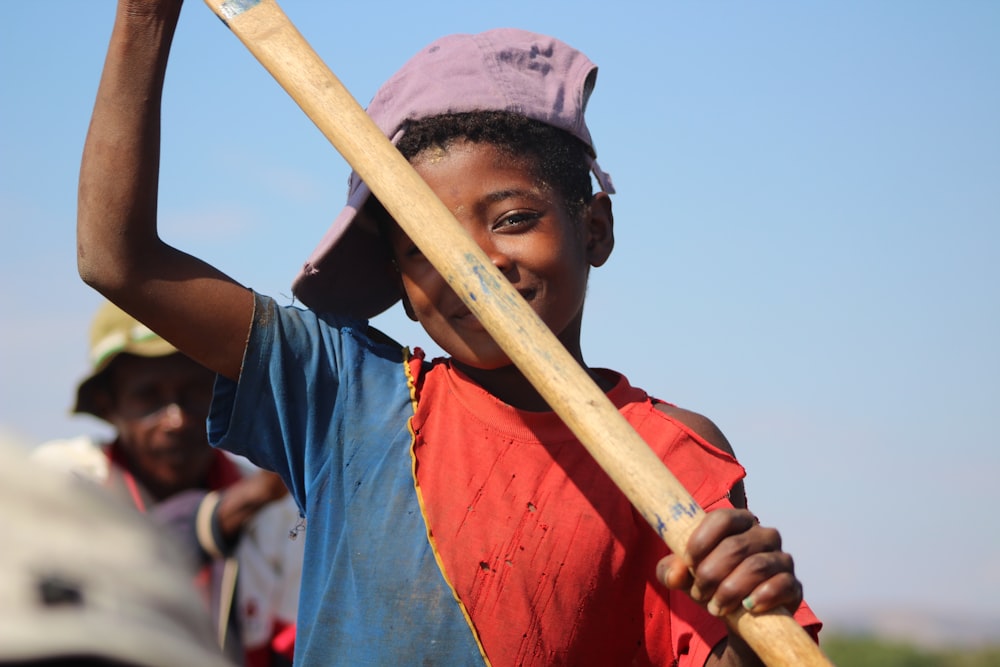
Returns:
(453, 518)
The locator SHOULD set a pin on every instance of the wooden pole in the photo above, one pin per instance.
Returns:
(668, 507)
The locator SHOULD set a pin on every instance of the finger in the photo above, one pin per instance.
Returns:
(673, 573)
(713, 529)
(738, 564)
(760, 582)
(782, 590)
(729, 556)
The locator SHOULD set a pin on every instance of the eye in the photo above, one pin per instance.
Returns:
(145, 395)
(403, 248)
(412, 252)
(517, 221)
(140, 401)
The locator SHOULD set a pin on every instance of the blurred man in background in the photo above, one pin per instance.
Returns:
(230, 517)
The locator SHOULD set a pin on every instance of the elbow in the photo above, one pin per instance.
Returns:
(111, 258)
(88, 252)
(93, 272)
(99, 270)
(85, 266)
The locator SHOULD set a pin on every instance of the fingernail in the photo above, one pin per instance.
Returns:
(695, 593)
(748, 603)
(713, 608)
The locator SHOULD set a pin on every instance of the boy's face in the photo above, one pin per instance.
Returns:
(523, 227)
(159, 406)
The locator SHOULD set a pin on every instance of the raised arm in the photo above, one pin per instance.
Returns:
(200, 310)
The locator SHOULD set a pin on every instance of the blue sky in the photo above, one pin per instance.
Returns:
(807, 222)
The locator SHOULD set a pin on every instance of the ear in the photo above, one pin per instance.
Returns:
(407, 306)
(600, 229)
(403, 296)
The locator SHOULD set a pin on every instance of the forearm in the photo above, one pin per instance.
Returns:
(240, 502)
(733, 652)
(116, 225)
(203, 312)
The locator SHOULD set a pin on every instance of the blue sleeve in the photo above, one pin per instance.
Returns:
(328, 408)
(298, 390)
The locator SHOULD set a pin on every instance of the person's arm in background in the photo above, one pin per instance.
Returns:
(210, 522)
(203, 312)
(241, 501)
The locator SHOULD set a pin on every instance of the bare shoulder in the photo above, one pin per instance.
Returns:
(700, 424)
(707, 429)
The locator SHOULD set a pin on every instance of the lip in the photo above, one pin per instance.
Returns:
(174, 453)
(464, 318)
(179, 449)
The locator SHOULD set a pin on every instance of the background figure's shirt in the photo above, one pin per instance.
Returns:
(444, 524)
(251, 589)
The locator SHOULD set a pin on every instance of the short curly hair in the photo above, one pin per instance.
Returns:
(557, 158)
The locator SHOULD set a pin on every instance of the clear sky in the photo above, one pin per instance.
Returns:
(808, 239)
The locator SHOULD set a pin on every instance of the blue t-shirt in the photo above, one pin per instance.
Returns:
(338, 404)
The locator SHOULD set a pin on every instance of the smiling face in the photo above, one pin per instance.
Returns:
(524, 228)
(158, 406)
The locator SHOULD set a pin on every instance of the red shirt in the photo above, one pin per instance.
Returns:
(549, 559)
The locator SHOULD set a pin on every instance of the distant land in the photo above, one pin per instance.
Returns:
(918, 627)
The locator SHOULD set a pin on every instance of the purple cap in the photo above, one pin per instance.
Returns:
(505, 69)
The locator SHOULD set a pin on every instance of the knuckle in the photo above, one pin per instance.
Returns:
(772, 538)
(781, 588)
(729, 591)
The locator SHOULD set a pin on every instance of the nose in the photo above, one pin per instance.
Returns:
(173, 416)
(497, 256)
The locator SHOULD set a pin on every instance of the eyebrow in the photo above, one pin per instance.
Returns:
(501, 195)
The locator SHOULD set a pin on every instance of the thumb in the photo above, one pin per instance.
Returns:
(673, 573)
